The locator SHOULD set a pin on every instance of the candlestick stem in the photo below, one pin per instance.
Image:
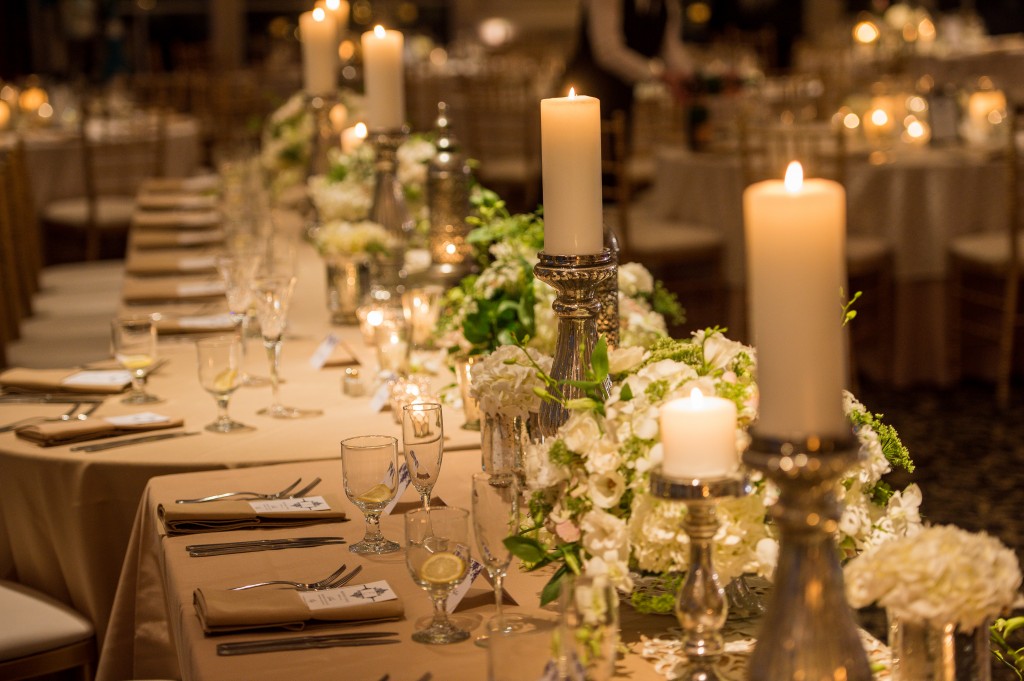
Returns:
(608, 317)
(701, 606)
(389, 208)
(577, 279)
(808, 631)
(323, 134)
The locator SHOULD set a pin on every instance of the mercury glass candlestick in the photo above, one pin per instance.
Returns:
(324, 136)
(390, 211)
(808, 631)
(608, 317)
(448, 182)
(701, 605)
(577, 280)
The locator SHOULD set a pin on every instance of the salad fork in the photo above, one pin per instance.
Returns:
(250, 496)
(325, 583)
(69, 415)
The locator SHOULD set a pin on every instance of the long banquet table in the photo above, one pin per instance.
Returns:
(68, 515)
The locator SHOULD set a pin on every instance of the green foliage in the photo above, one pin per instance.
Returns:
(1004, 651)
(660, 601)
(848, 312)
(535, 556)
(893, 448)
(667, 303)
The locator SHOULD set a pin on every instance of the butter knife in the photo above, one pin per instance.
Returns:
(367, 638)
(132, 441)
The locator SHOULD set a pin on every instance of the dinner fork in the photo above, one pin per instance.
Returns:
(251, 496)
(69, 415)
(325, 583)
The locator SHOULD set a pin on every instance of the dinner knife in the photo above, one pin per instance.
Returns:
(199, 552)
(261, 542)
(367, 638)
(132, 441)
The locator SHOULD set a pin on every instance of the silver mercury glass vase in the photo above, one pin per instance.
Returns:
(390, 211)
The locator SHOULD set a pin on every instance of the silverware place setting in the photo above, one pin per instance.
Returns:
(362, 638)
(75, 413)
(133, 441)
(286, 493)
(332, 581)
(228, 548)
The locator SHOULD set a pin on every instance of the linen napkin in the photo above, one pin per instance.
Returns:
(93, 382)
(176, 201)
(222, 611)
(69, 432)
(160, 289)
(199, 323)
(175, 219)
(170, 238)
(194, 184)
(233, 514)
(178, 261)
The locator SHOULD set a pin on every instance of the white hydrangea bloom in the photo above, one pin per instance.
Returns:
(634, 279)
(504, 381)
(347, 200)
(352, 238)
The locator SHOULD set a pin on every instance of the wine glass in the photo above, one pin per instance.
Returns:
(220, 373)
(133, 342)
(369, 469)
(496, 517)
(437, 555)
(423, 440)
(238, 270)
(273, 296)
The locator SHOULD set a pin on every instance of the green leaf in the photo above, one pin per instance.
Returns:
(526, 548)
(599, 359)
(553, 588)
(581, 403)
(626, 393)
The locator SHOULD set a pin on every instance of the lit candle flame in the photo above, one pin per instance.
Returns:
(360, 130)
(333, 5)
(572, 93)
(794, 177)
(379, 31)
(319, 14)
(697, 396)
(879, 117)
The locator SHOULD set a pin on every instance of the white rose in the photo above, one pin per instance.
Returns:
(606, 488)
(623, 359)
(634, 279)
(580, 431)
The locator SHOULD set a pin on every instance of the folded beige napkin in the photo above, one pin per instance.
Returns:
(63, 380)
(233, 514)
(171, 238)
(199, 323)
(95, 428)
(176, 201)
(196, 183)
(175, 219)
(177, 261)
(222, 611)
(170, 288)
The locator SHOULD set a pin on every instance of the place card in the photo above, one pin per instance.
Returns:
(462, 588)
(109, 377)
(404, 478)
(380, 397)
(201, 288)
(199, 262)
(290, 505)
(213, 321)
(349, 596)
(323, 351)
(140, 419)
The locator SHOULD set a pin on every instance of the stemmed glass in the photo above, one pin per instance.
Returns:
(496, 517)
(437, 555)
(273, 296)
(220, 374)
(423, 440)
(238, 270)
(133, 343)
(369, 469)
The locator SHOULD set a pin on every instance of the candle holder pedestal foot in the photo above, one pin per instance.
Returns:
(701, 606)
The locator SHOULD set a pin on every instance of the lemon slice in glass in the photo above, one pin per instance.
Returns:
(376, 494)
(442, 568)
(225, 380)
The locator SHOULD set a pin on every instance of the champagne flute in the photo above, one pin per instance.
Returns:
(369, 469)
(437, 555)
(238, 270)
(133, 342)
(423, 440)
(496, 517)
(273, 296)
(220, 373)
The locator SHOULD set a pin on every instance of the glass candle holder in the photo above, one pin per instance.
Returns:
(392, 339)
(422, 307)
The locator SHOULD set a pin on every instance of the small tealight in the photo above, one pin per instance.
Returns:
(351, 384)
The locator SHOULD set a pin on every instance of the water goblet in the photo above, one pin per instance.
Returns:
(273, 296)
(423, 441)
(238, 270)
(496, 517)
(369, 469)
(437, 555)
(220, 373)
(133, 342)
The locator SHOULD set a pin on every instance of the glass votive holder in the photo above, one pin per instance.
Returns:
(352, 383)
(422, 307)
(407, 390)
(392, 339)
(589, 613)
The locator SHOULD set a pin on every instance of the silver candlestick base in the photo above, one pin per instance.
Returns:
(389, 208)
(701, 606)
(324, 137)
(808, 631)
(577, 280)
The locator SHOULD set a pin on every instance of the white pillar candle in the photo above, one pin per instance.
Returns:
(571, 163)
(319, 52)
(384, 79)
(339, 9)
(352, 137)
(795, 234)
(698, 437)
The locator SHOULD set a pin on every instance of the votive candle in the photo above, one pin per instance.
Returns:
(698, 437)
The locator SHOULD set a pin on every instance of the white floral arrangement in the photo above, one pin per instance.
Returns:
(939, 575)
(339, 237)
(589, 507)
(347, 200)
(506, 381)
